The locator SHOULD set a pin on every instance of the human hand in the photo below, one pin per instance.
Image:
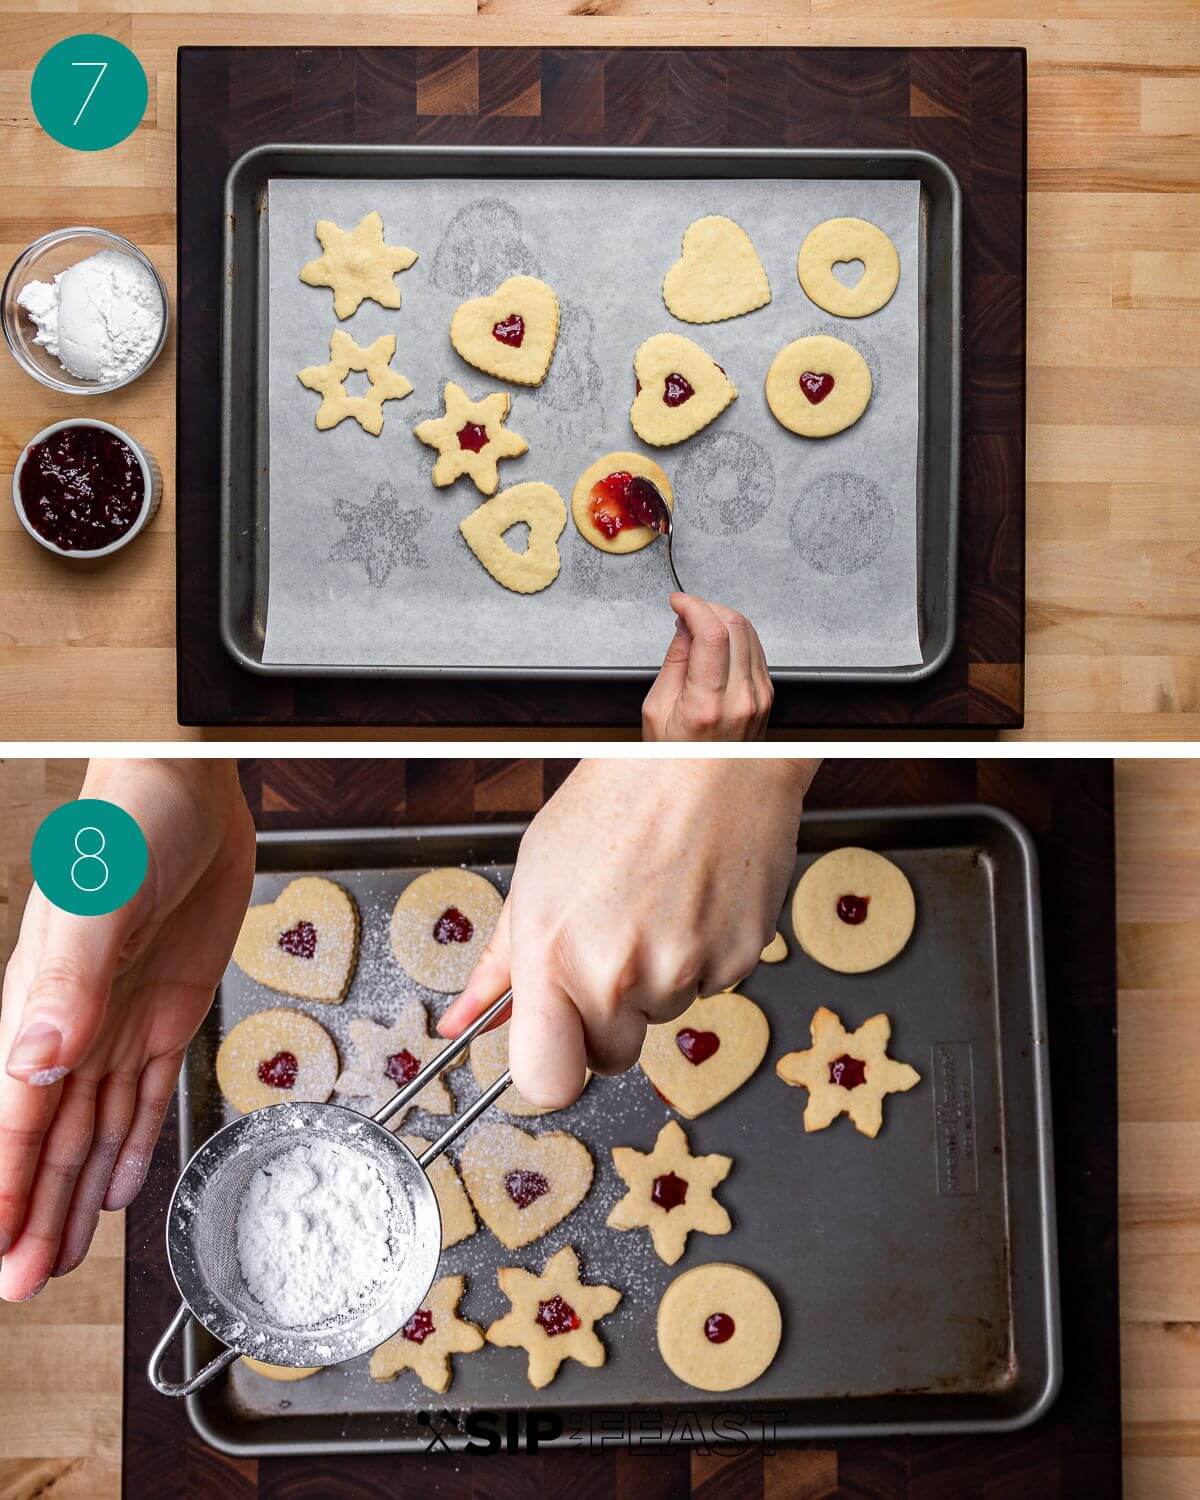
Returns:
(638, 886)
(713, 683)
(97, 1012)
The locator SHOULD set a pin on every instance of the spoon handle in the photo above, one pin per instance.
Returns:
(671, 564)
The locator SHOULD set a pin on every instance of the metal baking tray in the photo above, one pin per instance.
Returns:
(245, 465)
(917, 1272)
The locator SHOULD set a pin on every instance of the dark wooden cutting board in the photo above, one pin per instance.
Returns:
(1075, 1452)
(965, 105)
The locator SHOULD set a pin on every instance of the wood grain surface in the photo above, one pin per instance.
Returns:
(60, 1407)
(1114, 317)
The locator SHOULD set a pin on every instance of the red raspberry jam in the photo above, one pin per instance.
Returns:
(816, 387)
(452, 927)
(419, 1326)
(557, 1316)
(848, 1071)
(697, 1046)
(280, 1071)
(510, 331)
(719, 1328)
(853, 909)
(300, 941)
(622, 499)
(669, 1191)
(402, 1066)
(677, 389)
(525, 1187)
(472, 437)
(81, 488)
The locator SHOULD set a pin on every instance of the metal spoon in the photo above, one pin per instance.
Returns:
(656, 513)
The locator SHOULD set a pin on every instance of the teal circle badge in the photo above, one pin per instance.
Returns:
(89, 92)
(89, 857)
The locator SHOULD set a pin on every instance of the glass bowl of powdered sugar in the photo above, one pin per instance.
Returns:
(84, 311)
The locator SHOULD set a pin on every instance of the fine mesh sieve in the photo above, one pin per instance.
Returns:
(202, 1226)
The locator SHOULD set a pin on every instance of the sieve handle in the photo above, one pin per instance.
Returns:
(201, 1378)
(438, 1064)
(468, 1117)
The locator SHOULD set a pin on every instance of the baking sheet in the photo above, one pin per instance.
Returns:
(916, 1271)
(816, 542)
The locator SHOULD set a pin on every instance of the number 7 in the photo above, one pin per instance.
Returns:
(102, 66)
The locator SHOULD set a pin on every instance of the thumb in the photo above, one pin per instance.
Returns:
(489, 979)
(70, 964)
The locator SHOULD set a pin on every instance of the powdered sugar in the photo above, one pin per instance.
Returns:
(314, 1234)
(101, 318)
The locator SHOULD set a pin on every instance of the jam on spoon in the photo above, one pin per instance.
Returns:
(623, 500)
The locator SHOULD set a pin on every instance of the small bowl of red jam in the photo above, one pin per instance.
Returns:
(84, 489)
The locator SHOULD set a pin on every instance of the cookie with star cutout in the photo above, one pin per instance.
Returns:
(357, 264)
(510, 334)
(553, 1316)
(471, 438)
(384, 383)
(847, 1072)
(384, 1058)
(427, 1342)
(304, 943)
(670, 1192)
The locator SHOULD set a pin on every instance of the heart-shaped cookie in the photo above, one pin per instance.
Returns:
(707, 1053)
(718, 275)
(680, 389)
(510, 334)
(304, 942)
(541, 507)
(523, 1185)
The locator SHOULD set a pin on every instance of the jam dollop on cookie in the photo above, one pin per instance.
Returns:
(670, 1192)
(553, 1316)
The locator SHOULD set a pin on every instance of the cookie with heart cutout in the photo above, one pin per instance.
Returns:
(431, 1336)
(541, 508)
(522, 1185)
(718, 274)
(277, 1056)
(458, 1217)
(707, 1053)
(471, 438)
(384, 1058)
(510, 334)
(835, 242)
(304, 943)
(719, 1327)
(553, 1316)
(853, 910)
(441, 924)
(670, 1192)
(489, 1058)
(818, 386)
(681, 389)
(847, 1072)
(604, 502)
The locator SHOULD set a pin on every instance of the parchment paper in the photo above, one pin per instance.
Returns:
(815, 541)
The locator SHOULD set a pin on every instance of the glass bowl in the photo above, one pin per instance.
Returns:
(42, 261)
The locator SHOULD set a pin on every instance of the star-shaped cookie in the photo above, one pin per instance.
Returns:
(387, 1057)
(553, 1316)
(426, 1342)
(329, 380)
(471, 438)
(380, 535)
(670, 1192)
(847, 1072)
(357, 264)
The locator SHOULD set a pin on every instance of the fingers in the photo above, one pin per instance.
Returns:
(489, 979)
(154, 1091)
(668, 685)
(714, 684)
(708, 657)
(546, 1048)
(115, 1103)
(25, 1116)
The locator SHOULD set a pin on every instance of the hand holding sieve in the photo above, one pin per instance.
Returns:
(202, 1226)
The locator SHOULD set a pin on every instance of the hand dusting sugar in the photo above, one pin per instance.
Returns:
(313, 1234)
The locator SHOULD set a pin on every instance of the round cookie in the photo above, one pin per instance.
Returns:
(817, 386)
(613, 466)
(841, 240)
(276, 1057)
(280, 1372)
(719, 1327)
(853, 910)
(441, 925)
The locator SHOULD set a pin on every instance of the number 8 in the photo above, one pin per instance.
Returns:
(92, 857)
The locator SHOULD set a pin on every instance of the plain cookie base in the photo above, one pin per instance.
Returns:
(280, 1372)
(259, 1038)
(822, 355)
(691, 1300)
(718, 274)
(634, 538)
(842, 240)
(842, 946)
(444, 967)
